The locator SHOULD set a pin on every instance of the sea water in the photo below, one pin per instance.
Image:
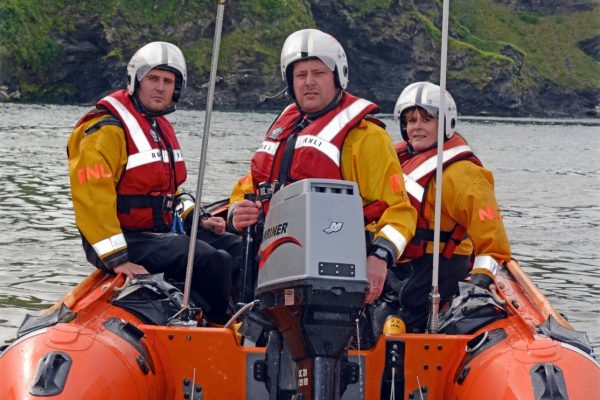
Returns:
(547, 179)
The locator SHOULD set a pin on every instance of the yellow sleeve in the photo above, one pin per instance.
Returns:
(242, 186)
(472, 203)
(369, 159)
(96, 162)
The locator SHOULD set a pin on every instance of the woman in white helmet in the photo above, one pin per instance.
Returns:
(126, 166)
(328, 133)
(471, 224)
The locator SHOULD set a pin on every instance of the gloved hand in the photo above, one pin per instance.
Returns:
(481, 280)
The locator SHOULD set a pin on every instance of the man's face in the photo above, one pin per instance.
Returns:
(156, 89)
(314, 85)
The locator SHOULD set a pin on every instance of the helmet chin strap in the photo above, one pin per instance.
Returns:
(139, 106)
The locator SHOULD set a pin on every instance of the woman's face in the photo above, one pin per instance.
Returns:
(421, 128)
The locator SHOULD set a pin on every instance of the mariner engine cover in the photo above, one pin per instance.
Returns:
(314, 232)
(312, 269)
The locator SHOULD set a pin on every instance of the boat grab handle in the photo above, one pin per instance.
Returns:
(495, 295)
(119, 289)
(478, 345)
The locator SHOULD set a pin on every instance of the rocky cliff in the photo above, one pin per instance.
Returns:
(505, 58)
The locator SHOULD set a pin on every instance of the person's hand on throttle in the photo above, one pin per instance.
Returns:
(245, 213)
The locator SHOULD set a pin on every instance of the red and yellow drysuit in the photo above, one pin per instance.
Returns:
(340, 144)
(468, 205)
(470, 224)
(124, 174)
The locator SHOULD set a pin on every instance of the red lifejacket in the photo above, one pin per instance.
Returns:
(317, 151)
(155, 167)
(418, 171)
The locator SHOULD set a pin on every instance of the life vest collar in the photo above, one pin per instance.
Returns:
(155, 167)
(411, 179)
(418, 170)
(145, 154)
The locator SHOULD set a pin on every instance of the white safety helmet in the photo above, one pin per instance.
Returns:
(312, 43)
(161, 55)
(427, 96)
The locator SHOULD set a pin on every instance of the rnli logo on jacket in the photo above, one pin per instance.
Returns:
(311, 141)
(95, 172)
(276, 133)
(489, 213)
(334, 227)
(268, 147)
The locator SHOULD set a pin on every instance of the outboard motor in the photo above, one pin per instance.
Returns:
(312, 284)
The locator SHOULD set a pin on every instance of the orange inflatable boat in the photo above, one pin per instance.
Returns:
(510, 344)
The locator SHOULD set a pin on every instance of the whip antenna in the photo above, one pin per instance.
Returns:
(433, 322)
(209, 105)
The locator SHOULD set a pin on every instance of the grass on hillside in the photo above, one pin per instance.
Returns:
(31, 30)
(548, 42)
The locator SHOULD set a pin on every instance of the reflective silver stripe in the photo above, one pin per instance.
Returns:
(147, 157)
(322, 141)
(135, 130)
(268, 147)
(395, 237)
(431, 163)
(486, 262)
(177, 154)
(321, 145)
(414, 188)
(343, 118)
(109, 245)
(154, 155)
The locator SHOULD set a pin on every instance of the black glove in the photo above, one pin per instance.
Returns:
(481, 280)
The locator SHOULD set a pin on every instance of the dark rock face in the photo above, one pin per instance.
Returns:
(89, 45)
(387, 49)
(591, 47)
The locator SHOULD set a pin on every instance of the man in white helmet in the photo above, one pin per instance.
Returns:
(126, 167)
(328, 133)
(470, 224)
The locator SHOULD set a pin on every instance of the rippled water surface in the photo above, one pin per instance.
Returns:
(547, 182)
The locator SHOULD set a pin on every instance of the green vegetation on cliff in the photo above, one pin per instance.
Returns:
(42, 42)
(27, 50)
(33, 35)
(548, 43)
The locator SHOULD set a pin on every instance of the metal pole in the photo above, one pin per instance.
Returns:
(434, 322)
(209, 105)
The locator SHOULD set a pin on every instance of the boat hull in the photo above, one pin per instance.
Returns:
(113, 355)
